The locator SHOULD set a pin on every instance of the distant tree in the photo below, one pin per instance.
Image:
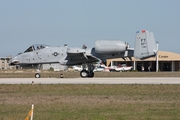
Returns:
(51, 69)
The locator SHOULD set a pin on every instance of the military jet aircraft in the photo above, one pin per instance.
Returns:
(145, 47)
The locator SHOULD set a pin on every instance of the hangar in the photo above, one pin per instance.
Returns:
(167, 61)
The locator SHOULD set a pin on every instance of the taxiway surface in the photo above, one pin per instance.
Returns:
(141, 80)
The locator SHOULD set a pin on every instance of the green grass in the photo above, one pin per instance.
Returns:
(90, 102)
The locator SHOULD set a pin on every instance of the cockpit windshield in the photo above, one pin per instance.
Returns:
(36, 47)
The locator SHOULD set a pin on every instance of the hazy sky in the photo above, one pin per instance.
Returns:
(78, 22)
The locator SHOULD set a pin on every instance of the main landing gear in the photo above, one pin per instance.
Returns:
(87, 73)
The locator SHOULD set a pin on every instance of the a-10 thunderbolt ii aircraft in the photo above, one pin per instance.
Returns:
(145, 47)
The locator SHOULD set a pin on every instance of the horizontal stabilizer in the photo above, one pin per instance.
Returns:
(145, 45)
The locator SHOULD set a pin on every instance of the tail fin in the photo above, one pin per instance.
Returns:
(145, 45)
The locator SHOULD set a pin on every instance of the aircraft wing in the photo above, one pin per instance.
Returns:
(79, 57)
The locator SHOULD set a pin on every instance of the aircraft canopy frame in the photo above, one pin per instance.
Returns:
(36, 47)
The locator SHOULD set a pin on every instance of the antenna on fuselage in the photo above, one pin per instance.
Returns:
(84, 46)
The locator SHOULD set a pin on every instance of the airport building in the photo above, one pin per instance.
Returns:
(4, 63)
(167, 61)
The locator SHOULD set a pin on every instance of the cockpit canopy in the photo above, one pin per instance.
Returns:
(36, 47)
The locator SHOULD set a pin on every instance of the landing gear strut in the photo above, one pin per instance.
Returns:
(87, 73)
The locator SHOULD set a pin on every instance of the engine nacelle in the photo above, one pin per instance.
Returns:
(110, 46)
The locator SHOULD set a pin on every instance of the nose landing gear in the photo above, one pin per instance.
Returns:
(38, 70)
(37, 75)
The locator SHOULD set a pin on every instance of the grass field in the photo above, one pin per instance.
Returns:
(51, 74)
(90, 102)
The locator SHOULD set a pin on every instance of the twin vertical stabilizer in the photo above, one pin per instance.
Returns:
(145, 45)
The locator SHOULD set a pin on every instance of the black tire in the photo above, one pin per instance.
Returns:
(37, 75)
(61, 75)
(91, 74)
(84, 74)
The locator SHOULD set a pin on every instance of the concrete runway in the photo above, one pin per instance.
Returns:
(141, 80)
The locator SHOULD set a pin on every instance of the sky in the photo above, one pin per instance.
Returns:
(77, 22)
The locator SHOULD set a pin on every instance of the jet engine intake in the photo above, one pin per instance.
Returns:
(110, 46)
